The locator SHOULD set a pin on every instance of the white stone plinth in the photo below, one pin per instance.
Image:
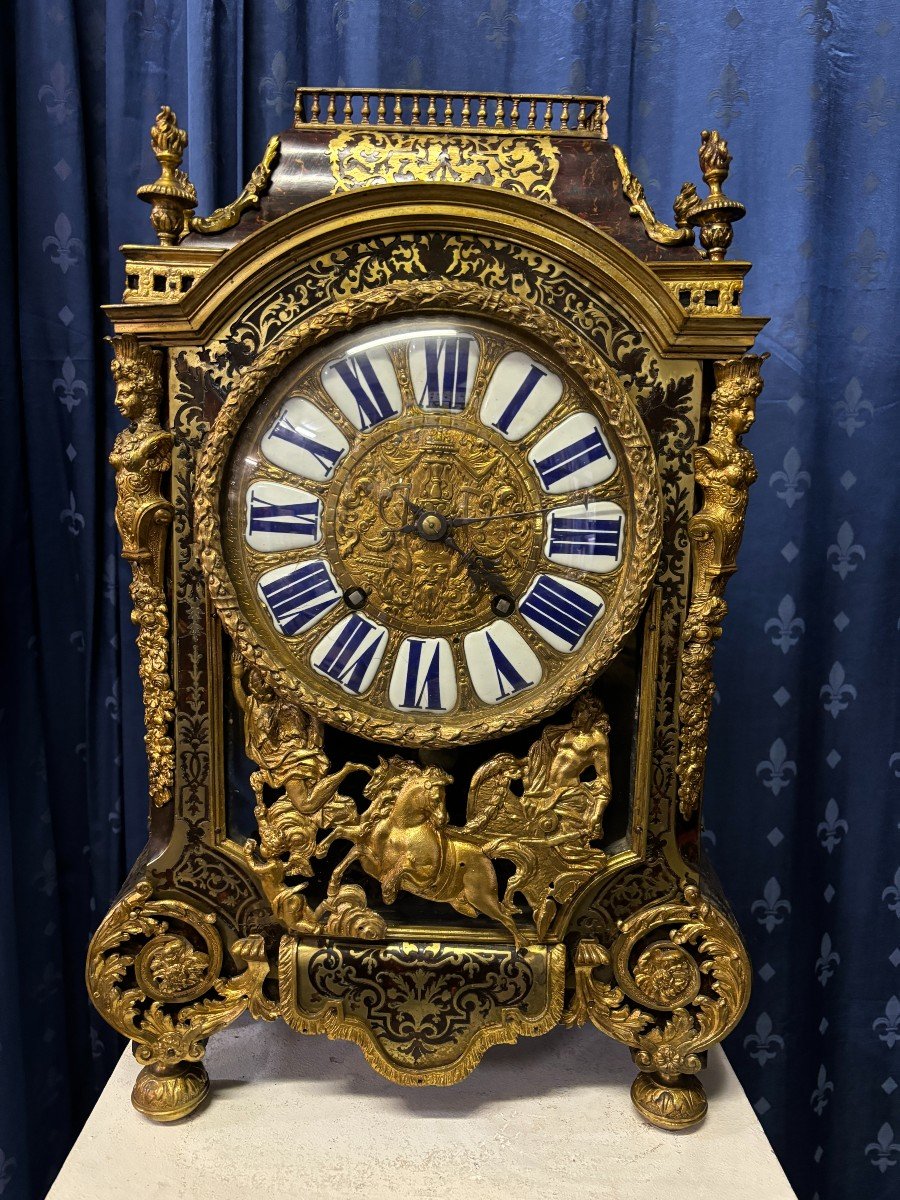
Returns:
(302, 1118)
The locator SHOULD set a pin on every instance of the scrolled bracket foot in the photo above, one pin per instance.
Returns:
(168, 1093)
(669, 1101)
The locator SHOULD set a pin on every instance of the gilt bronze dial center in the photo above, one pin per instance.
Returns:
(432, 526)
(388, 519)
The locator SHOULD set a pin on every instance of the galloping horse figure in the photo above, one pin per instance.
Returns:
(405, 842)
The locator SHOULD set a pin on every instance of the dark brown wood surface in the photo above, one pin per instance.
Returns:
(588, 184)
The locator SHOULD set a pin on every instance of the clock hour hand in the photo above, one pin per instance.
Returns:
(482, 568)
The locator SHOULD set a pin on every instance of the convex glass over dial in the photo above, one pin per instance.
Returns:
(429, 524)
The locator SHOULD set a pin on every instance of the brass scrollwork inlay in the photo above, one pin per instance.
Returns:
(422, 1013)
(526, 165)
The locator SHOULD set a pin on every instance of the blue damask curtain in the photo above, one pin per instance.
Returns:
(801, 809)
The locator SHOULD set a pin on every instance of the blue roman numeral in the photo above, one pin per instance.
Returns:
(559, 609)
(506, 672)
(427, 687)
(585, 535)
(571, 458)
(445, 383)
(526, 387)
(359, 377)
(301, 520)
(350, 655)
(298, 597)
(326, 455)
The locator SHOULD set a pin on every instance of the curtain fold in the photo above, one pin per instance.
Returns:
(805, 764)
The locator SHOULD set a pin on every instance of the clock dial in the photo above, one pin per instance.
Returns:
(426, 525)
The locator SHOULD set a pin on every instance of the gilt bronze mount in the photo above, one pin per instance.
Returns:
(433, 482)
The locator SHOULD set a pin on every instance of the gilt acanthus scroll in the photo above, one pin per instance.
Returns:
(141, 455)
(675, 981)
(230, 214)
(154, 973)
(724, 469)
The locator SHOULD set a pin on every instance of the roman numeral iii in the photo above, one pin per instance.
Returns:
(586, 536)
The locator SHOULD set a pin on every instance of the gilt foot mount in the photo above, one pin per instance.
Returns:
(669, 1101)
(168, 1093)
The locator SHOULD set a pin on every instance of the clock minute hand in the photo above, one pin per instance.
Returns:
(456, 522)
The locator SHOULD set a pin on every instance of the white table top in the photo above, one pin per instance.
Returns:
(293, 1116)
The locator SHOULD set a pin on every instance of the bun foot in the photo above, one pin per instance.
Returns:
(168, 1093)
(669, 1101)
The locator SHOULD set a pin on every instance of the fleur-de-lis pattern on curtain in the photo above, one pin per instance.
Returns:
(804, 774)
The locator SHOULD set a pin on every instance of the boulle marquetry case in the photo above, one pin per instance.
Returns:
(431, 489)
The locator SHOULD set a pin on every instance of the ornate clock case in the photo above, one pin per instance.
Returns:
(431, 489)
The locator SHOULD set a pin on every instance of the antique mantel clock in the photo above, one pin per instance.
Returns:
(431, 489)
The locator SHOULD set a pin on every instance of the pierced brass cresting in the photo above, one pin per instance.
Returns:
(452, 113)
